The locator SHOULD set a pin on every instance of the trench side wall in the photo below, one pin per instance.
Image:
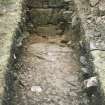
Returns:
(10, 17)
(92, 16)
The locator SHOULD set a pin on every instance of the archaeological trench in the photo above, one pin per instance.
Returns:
(52, 52)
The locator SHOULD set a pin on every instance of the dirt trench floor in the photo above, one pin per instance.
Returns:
(48, 73)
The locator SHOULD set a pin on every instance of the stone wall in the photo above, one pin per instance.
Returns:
(92, 15)
(10, 16)
(43, 12)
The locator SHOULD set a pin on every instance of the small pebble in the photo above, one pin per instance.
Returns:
(69, 43)
(14, 56)
(37, 89)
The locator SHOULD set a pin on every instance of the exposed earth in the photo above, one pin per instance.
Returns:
(48, 73)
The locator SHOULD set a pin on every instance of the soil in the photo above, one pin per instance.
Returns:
(48, 73)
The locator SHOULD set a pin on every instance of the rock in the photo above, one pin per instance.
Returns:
(93, 2)
(14, 56)
(92, 81)
(89, 21)
(92, 45)
(19, 44)
(97, 34)
(83, 60)
(75, 20)
(67, 15)
(81, 44)
(91, 86)
(85, 72)
(98, 19)
(37, 89)
(69, 43)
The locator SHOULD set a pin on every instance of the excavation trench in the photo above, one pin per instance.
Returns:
(47, 70)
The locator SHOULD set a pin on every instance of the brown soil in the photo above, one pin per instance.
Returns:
(48, 73)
